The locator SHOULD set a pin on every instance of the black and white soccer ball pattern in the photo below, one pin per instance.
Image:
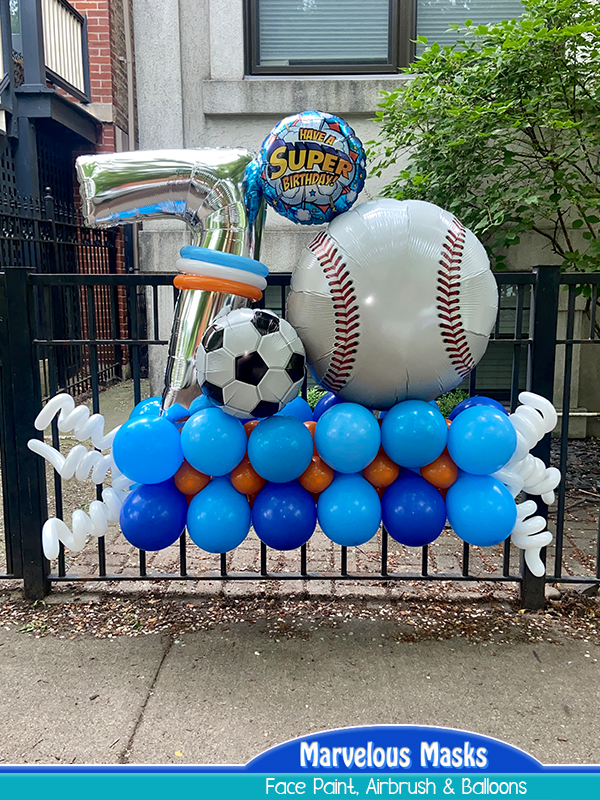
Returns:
(250, 363)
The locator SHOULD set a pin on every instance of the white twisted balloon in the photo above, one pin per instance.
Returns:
(76, 419)
(530, 535)
(532, 421)
(79, 462)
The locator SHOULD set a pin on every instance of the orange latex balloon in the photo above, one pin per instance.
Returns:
(382, 471)
(251, 499)
(245, 478)
(317, 476)
(250, 425)
(380, 491)
(448, 422)
(189, 481)
(311, 427)
(442, 472)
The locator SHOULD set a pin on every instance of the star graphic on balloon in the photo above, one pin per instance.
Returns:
(312, 193)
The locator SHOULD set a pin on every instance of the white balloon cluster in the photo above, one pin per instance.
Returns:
(79, 462)
(524, 472)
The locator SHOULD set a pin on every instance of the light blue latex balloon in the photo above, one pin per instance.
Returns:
(280, 448)
(349, 511)
(149, 407)
(347, 437)
(198, 403)
(480, 509)
(481, 440)
(147, 449)
(218, 518)
(299, 408)
(176, 412)
(213, 442)
(414, 433)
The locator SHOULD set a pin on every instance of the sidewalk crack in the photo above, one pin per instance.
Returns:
(125, 753)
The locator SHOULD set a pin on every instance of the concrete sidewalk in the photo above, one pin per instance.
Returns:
(224, 695)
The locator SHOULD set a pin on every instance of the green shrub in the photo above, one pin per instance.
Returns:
(447, 401)
(502, 130)
(314, 395)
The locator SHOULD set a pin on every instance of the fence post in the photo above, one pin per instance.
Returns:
(544, 317)
(22, 402)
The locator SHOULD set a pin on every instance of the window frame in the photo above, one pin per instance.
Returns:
(401, 49)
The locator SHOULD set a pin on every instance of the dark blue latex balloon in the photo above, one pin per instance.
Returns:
(149, 407)
(153, 516)
(213, 442)
(349, 510)
(413, 510)
(347, 437)
(475, 401)
(280, 448)
(481, 510)
(299, 408)
(481, 440)
(198, 403)
(414, 433)
(147, 449)
(218, 518)
(327, 401)
(284, 515)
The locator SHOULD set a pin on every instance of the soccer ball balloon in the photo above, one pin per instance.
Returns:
(250, 363)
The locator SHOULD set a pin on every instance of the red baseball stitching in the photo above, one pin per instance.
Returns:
(345, 307)
(448, 287)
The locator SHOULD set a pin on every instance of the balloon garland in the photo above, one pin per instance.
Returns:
(345, 471)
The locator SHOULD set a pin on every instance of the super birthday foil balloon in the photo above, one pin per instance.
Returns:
(215, 191)
(312, 167)
(395, 300)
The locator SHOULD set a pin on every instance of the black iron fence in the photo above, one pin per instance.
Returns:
(50, 237)
(524, 343)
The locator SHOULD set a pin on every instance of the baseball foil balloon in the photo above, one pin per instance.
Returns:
(395, 300)
(312, 167)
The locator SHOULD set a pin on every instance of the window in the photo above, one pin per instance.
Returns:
(327, 36)
(336, 37)
(434, 16)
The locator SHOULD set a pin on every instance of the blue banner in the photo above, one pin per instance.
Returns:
(363, 762)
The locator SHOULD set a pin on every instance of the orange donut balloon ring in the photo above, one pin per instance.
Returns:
(216, 285)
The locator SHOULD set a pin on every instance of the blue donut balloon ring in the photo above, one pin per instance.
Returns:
(312, 167)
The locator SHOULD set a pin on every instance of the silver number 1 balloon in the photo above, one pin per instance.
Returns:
(215, 191)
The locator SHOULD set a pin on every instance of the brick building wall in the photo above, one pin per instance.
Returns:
(109, 85)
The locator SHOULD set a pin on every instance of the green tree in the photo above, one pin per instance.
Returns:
(503, 129)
